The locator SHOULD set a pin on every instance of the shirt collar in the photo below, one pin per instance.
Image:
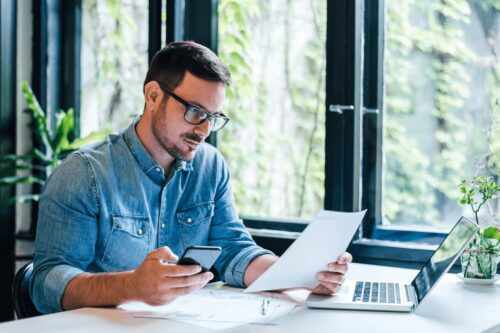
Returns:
(142, 156)
(184, 165)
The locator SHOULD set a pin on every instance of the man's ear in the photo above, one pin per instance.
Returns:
(152, 95)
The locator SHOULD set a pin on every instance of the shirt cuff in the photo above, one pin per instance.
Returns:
(235, 271)
(55, 284)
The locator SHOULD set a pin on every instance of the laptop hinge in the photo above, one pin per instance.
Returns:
(412, 295)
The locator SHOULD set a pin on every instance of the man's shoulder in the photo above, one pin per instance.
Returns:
(98, 152)
(101, 147)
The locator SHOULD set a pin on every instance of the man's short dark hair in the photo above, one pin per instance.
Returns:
(170, 64)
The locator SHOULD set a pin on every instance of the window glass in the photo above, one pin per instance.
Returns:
(274, 142)
(442, 118)
(114, 62)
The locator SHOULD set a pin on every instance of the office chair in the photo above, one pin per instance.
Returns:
(21, 295)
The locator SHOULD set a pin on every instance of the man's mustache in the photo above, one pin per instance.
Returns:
(193, 137)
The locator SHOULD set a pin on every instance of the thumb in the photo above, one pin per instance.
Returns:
(164, 253)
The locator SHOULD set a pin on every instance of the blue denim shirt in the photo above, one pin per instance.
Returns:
(107, 206)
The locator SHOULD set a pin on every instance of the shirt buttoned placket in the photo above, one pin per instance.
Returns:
(162, 209)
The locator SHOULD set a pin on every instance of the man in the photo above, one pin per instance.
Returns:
(113, 216)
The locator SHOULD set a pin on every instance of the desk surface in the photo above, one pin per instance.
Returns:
(451, 307)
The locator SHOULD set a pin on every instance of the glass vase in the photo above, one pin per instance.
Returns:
(480, 259)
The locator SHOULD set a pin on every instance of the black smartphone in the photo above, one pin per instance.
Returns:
(204, 256)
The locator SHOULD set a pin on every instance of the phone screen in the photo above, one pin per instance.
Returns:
(205, 256)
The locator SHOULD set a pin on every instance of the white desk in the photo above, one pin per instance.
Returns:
(451, 307)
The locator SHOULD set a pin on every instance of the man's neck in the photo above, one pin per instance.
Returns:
(145, 135)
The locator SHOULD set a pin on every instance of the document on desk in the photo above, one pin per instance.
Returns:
(322, 242)
(217, 309)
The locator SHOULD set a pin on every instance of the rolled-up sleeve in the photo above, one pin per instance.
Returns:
(49, 285)
(66, 232)
(234, 273)
(227, 231)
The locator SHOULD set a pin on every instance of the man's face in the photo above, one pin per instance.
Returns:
(179, 138)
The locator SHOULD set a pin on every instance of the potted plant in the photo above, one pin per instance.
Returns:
(480, 259)
(49, 150)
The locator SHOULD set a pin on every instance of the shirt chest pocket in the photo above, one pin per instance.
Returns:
(194, 222)
(128, 243)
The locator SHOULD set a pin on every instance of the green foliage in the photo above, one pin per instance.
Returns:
(235, 48)
(477, 192)
(50, 148)
(307, 93)
(114, 56)
(260, 133)
(418, 185)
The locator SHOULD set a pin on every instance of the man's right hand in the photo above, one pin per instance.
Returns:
(158, 282)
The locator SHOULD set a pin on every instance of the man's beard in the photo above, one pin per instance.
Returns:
(160, 132)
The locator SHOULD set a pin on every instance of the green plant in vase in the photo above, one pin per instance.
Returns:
(480, 259)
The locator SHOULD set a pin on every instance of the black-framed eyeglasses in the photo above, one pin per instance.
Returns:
(196, 115)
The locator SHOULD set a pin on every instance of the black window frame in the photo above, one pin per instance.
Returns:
(8, 91)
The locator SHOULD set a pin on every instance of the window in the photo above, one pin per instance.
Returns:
(274, 143)
(410, 110)
(440, 123)
(114, 62)
(323, 114)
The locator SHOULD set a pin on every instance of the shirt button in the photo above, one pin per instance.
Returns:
(139, 231)
(163, 225)
(189, 220)
(158, 169)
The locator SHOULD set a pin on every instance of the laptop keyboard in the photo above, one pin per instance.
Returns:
(377, 292)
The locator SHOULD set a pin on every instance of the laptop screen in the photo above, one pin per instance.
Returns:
(444, 257)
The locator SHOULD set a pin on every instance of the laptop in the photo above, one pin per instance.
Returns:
(398, 296)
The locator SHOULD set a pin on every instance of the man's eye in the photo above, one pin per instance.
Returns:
(200, 114)
(194, 111)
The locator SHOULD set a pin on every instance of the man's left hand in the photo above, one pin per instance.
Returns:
(331, 280)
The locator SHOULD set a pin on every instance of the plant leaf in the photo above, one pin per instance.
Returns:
(92, 137)
(38, 154)
(33, 154)
(64, 126)
(492, 232)
(12, 180)
(41, 130)
(22, 199)
(11, 158)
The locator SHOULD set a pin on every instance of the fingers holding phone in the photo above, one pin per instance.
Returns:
(159, 280)
(204, 256)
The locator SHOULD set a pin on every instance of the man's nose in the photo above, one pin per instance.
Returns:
(204, 128)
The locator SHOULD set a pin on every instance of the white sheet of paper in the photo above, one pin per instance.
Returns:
(322, 242)
(216, 309)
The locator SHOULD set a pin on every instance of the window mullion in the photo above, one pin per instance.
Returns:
(154, 35)
(202, 28)
(8, 120)
(343, 105)
(175, 20)
(70, 67)
(372, 101)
